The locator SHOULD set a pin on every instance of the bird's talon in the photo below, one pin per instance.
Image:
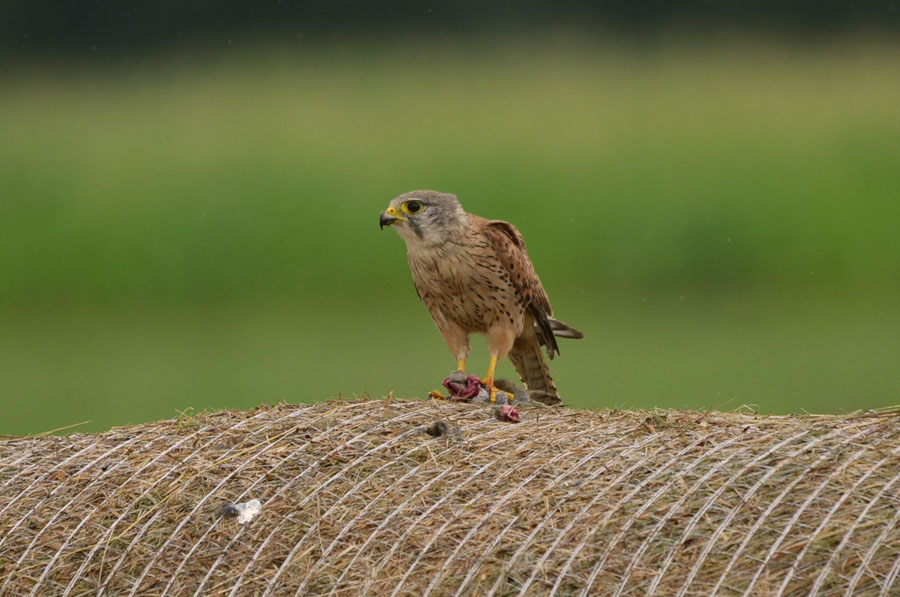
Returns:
(437, 395)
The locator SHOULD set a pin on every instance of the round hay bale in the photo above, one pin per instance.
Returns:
(377, 497)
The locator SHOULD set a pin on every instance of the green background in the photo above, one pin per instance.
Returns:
(199, 229)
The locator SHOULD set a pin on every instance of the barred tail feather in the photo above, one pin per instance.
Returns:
(526, 357)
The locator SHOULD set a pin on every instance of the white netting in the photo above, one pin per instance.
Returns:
(357, 498)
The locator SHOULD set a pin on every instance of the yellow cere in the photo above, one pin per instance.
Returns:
(392, 211)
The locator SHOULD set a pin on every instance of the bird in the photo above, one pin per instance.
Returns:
(475, 277)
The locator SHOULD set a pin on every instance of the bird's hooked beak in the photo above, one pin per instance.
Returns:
(389, 216)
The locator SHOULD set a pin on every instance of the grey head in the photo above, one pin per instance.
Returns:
(424, 217)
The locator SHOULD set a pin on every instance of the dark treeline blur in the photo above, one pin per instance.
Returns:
(35, 28)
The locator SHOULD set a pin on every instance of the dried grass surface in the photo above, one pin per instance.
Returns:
(357, 498)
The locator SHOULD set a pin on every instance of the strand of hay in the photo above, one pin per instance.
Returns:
(358, 498)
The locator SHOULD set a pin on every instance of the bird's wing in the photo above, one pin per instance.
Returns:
(508, 244)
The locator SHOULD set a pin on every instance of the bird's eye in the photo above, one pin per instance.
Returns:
(413, 207)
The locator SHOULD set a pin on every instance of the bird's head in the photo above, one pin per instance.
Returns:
(424, 217)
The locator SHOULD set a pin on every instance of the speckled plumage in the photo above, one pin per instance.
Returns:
(474, 276)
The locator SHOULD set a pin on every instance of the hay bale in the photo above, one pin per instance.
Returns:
(356, 497)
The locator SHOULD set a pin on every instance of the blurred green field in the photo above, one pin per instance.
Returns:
(201, 232)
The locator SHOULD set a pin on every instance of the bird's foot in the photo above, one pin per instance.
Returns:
(491, 388)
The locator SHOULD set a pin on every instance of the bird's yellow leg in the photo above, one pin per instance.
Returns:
(489, 380)
(461, 365)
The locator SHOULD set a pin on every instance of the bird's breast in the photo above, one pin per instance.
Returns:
(464, 286)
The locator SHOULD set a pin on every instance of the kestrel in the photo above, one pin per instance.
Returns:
(474, 276)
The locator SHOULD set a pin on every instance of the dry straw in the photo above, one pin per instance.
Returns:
(360, 497)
